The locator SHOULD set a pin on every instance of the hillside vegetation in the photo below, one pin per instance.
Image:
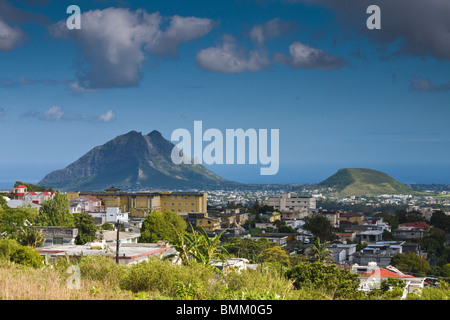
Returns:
(363, 182)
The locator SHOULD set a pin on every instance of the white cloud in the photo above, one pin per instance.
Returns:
(56, 113)
(228, 58)
(53, 114)
(10, 37)
(114, 43)
(304, 56)
(273, 28)
(108, 116)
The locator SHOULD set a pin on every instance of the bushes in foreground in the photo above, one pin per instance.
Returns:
(102, 278)
(14, 252)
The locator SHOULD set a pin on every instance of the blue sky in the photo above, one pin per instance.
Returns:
(340, 94)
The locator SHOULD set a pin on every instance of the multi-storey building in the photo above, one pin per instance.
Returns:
(292, 207)
(139, 204)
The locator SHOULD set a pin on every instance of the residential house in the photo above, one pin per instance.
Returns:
(278, 239)
(346, 237)
(58, 235)
(209, 224)
(18, 192)
(342, 253)
(372, 279)
(112, 215)
(411, 230)
(88, 203)
(333, 216)
(38, 197)
(111, 236)
(380, 252)
(370, 236)
(351, 218)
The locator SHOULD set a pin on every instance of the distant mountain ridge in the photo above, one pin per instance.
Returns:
(363, 182)
(131, 161)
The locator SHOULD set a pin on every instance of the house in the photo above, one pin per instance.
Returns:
(111, 236)
(408, 233)
(380, 253)
(87, 203)
(339, 254)
(333, 216)
(377, 222)
(62, 236)
(370, 236)
(201, 219)
(342, 253)
(372, 279)
(76, 207)
(294, 223)
(280, 240)
(38, 197)
(346, 237)
(264, 225)
(411, 230)
(18, 192)
(351, 218)
(112, 215)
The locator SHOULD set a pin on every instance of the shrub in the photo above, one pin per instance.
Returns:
(27, 256)
(254, 284)
(167, 278)
(333, 282)
(101, 269)
(7, 247)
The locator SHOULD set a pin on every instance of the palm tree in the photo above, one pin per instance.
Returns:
(320, 252)
(30, 236)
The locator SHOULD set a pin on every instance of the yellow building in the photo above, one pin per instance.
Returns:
(351, 218)
(139, 204)
(208, 223)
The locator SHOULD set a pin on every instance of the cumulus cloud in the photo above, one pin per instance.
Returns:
(226, 57)
(421, 28)
(259, 34)
(304, 56)
(113, 43)
(56, 113)
(10, 37)
(108, 116)
(422, 84)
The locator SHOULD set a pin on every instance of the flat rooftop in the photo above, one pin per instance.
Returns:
(126, 250)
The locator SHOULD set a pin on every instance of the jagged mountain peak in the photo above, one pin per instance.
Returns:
(131, 161)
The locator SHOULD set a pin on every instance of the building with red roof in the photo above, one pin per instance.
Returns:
(19, 192)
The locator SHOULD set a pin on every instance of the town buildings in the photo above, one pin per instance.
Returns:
(139, 204)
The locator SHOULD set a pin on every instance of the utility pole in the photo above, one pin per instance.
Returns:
(117, 241)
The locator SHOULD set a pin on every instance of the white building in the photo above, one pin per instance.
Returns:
(292, 207)
(38, 197)
(111, 215)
